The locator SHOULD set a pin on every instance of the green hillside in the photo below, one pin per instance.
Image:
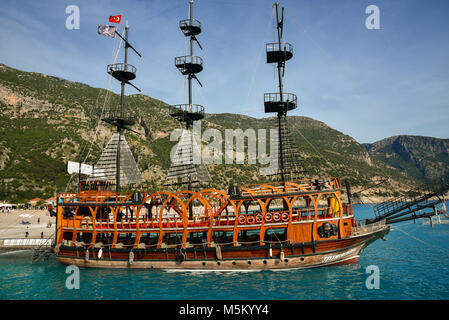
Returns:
(46, 121)
(423, 158)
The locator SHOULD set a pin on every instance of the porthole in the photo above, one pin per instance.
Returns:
(285, 260)
(265, 262)
(204, 263)
(249, 262)
(302, 259)
(233, 263)
(218, 263)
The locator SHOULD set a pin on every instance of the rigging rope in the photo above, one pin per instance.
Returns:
(422, 241)
(101, 113)
(315, 149)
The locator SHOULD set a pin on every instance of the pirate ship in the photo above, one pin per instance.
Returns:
(290, 222)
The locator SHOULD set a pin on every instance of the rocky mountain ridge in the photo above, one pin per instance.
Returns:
(46, 121)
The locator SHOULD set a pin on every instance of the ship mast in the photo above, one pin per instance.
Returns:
(124, 73)
(122, 104)
(281, 68)
(279, 103)
(183, 169)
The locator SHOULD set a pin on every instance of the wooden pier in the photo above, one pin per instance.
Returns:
(7, 245)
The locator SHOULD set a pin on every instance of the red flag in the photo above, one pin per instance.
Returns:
(115, 19)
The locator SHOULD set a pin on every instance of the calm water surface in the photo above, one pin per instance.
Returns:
(413, 264)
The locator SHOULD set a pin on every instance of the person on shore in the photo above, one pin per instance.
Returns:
(38, 220)
(26, 234)
(42, 235)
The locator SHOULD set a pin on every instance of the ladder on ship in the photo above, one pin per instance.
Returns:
(43, 251)
(415, 205)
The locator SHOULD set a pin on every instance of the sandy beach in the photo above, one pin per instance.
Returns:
(11, 226)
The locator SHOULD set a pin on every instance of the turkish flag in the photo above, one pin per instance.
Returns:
(115, 19)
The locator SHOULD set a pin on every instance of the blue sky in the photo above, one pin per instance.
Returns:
(369, 84)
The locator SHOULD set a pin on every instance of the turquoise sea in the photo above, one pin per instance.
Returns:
(413, 264)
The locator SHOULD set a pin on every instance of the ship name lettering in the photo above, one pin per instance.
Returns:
(338, 256)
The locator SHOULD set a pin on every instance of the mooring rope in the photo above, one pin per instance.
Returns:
(422, 241)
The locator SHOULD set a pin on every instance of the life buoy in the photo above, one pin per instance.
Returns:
(259, 218)
(268, 217)
(285, 217)
(242, 219)
(277, 217)
(250, 219)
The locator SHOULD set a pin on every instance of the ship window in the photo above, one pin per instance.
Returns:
(197, 237)
(249, 237)
(276, 235)
(126, 238)
(149, 238)
(223, 237)
(85, 237)
(67, 235)
(172, 238)
(105, 238)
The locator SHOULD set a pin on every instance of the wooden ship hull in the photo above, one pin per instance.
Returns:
(311, 228)
(293, 256)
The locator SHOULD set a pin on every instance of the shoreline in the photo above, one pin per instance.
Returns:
(11, 224)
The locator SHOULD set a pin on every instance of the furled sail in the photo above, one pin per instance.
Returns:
(106, 167)
(186, 162)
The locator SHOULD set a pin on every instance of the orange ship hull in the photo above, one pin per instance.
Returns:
(275, 257)
(300, 224)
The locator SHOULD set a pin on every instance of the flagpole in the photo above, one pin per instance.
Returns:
(122, 73)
